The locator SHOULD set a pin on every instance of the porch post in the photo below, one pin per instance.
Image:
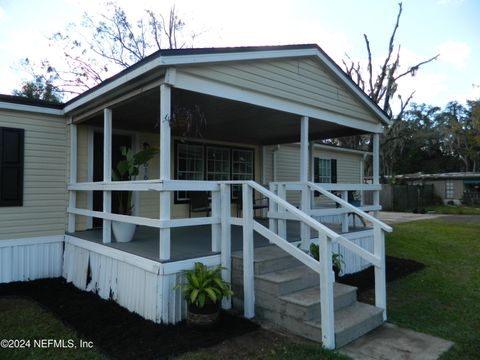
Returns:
(304, 166)
(248, 257)
(326, 293)
(72, 195)
(165, 154)
(376, 170)
(226, 237)
(107, 172)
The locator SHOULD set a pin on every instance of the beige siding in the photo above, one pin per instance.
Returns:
(305, 81)
(44, 192)
(288, 166)
(149, 201)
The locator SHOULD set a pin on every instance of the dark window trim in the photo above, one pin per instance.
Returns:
(20, 165)
(205, 145)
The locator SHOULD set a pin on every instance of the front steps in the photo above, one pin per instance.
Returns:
(287, 296)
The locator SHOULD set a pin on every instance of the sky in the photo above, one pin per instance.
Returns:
(427, 28)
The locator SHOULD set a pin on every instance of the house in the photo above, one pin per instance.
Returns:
(58, 198)
(453, 188)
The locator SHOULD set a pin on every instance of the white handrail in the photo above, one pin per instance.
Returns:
(349, 206)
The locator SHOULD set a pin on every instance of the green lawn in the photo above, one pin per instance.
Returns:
(444, 298)
(26, 320)
(454, 210)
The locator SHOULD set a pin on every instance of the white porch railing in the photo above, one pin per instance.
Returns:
(222, 219)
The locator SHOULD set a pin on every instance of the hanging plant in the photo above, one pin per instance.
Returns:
(190, 121)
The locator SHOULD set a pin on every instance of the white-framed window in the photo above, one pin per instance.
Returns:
(218, 163)
(449, 189)
(242, 168)
(325, 170)
(190, 165)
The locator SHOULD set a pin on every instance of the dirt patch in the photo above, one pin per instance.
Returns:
(116, 331)
(396, 268)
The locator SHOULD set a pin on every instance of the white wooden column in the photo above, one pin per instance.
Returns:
(326, 293)
(90, 148)
(216, 228)
(311, 156)
(380, 276)
(165, 157)
(226, 235)
(248, 268)
(107, 172)
(376, 170)
(344, 216)
(72, 195)
(304, 167)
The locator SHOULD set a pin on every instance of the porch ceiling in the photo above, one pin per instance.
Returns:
(227, 120)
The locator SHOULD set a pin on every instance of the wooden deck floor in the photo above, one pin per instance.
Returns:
(187, 242)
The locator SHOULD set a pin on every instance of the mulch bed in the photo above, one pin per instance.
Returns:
(121, 334)
(117, 332)
(396, 268)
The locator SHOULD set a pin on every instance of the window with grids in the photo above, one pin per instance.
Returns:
(449, 189)
(325, 171)
(242, 168)
(189, 165)
(218, 163)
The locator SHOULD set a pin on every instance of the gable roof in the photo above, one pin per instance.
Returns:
(195, 56)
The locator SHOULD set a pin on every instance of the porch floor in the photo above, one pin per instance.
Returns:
(189, 242)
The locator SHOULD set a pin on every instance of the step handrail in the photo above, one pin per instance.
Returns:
(347, 205)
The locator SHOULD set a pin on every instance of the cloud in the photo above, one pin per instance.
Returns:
(454, 52)
(3, 15)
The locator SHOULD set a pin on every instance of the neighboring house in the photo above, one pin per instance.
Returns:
(58, 202)
(453, 188)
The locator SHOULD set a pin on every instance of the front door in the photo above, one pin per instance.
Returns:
(117, 142)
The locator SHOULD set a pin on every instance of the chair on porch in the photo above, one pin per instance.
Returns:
(199, 202)
(260, 203)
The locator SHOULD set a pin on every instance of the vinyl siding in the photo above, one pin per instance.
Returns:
(305, 81)
(148, 200)
(288, 166)
(44, 193)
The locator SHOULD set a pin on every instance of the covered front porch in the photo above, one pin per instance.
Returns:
(243, 116)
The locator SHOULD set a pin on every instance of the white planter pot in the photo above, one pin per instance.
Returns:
(123, 232)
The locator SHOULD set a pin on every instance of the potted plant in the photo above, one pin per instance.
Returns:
(125, 170)
(203, 291)
(337, 259)
(354, 198)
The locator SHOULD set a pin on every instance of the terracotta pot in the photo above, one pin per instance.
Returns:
(123, 232)
(204, 317)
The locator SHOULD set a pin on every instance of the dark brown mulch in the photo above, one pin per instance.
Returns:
(396, 268)
(117, 332)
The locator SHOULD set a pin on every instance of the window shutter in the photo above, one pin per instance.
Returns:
(333, 170)
(11, 166)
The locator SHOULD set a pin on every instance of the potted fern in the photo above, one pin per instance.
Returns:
(125, 170)
(204, 290)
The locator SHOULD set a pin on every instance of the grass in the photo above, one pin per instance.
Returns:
(25, 319)
(454, 210)
(443, 299)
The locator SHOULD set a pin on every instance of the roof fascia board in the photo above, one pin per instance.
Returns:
(338, 149)
(349, 83)
(193, 83)
(30, 108)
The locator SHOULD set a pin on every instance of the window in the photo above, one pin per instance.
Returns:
(218, 163)
(210, 162)
(189, 165)
(449, 189)
(11, 166)
(242, 168)
(325, 171)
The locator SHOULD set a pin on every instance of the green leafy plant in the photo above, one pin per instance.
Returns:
(127, 169)
(337, 259)
(204, 285)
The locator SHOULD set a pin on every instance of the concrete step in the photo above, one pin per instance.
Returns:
(282, 282)
(266, 259)
(350, 323)
(303, 304)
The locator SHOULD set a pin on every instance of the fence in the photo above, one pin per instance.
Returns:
(406, 197)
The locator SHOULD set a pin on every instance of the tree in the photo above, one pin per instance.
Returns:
(382, 87)
(102, 45)
(40, 89)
